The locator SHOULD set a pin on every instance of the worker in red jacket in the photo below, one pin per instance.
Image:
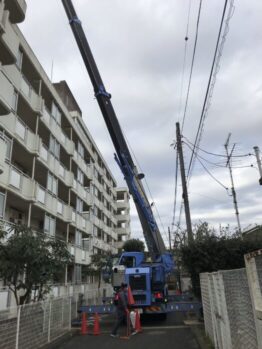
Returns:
(122, 313)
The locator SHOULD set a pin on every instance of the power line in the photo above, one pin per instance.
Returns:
(210, 174)
(192, 65)
(184, 59)
(213, 163)
(209, 90)
(188, 89)
(219, 155)
(212, 78)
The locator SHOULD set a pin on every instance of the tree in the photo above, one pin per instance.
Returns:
(134, 245)
(210, 252)
(98, 264)
(29, 261)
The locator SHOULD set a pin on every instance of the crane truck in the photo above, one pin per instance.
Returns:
(147, 280)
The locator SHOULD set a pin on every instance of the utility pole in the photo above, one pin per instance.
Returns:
(184, 184)
(257, 152)
(232, 181)
(169, 239)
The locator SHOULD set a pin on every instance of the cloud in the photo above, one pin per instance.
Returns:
(139, 50)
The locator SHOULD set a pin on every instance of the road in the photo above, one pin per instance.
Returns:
(156, 335)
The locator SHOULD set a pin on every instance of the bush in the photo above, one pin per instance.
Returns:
(212, 253)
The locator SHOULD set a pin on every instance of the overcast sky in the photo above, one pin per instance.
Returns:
(139, 49)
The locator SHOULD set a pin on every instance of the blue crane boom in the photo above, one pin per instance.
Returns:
(154, 241)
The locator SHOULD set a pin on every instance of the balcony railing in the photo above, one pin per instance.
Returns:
(81, 256)
(82, 192)
(87, 169)
(33, 99)
(52, 204)
(3, 148)
(52, 124)
(55, 166)
(19, 130)
(6, 94)
(81, 222)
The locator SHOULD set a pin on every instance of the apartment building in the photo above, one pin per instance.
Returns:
(123, 217)
(53, 177)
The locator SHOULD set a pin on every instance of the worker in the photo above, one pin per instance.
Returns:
(122, 313)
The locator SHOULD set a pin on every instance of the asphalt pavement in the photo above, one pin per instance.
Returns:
(174, 332)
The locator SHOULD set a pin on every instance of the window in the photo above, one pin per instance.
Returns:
(2, 204)
(78, 273)
(80, 176)
(50, 225)
(95, 191)
(128, 261)
(79, 205)
(54, 147)
(56, 114)
(80, 149)
(14, 101)
(78, 238)
(8, 147)
(51, 183)
(95, 211)
(95, 173)
(19, 59)
(100, 234)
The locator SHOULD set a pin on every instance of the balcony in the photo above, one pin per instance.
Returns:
(82, 193)
(52, 204)
(17, 9)
(95, 242)
(51, 124)
(31, 97)
(123, 204)
(123, 231)
(123, 217)
(2, 154)
(55, 166)
(80, 255)
(9, 42)
(17, 182)
(14, 75)
(86, 168)
(18, 129)
(6, 94)
(81, 223)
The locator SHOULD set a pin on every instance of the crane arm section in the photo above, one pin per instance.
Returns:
(123, 157)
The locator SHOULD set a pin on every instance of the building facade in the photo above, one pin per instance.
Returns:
(123, 217)
(53, 177)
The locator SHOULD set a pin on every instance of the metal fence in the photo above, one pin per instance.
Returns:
(32, 326)
(232, 306)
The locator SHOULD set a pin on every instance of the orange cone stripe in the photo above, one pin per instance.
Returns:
(130, 298)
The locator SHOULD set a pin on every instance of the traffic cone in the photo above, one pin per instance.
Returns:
(83, 324)
(130, 298)
(138, 327)
(96, 330)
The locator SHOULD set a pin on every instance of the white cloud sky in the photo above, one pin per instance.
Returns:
(139, 48)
